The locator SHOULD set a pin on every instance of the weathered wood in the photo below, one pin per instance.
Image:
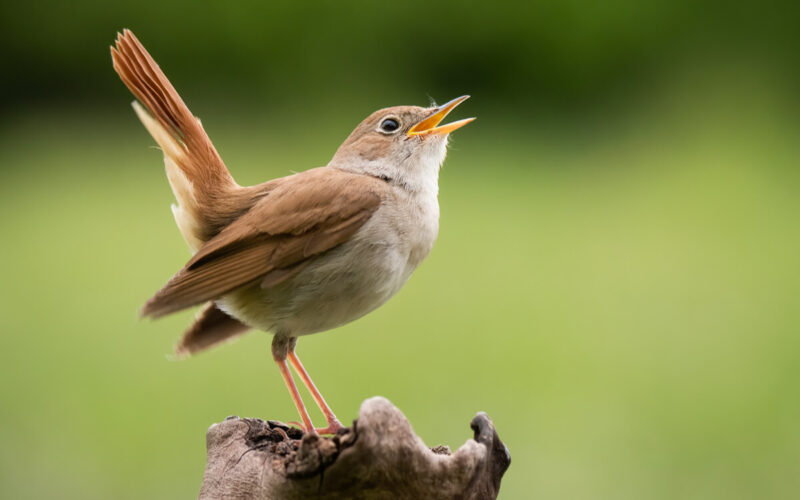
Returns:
(378, 457)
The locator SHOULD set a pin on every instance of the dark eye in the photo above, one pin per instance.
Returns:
(389, 125)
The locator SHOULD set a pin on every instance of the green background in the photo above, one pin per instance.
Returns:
(616, 280)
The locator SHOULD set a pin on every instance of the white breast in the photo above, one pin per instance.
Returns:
(349, 281)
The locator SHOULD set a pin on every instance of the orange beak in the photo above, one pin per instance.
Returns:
(429, 125)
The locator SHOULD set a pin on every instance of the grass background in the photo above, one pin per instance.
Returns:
(615, 282)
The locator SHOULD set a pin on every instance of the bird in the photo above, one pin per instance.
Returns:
(299, 254)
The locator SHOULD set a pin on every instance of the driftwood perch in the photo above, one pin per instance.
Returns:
(378, 457)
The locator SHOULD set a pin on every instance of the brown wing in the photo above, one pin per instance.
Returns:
(304, 216)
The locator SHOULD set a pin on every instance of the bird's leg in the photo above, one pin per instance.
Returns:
(280, 347)
(333, 423)
(287, 377)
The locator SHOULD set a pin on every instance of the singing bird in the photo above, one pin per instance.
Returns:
(300, 254)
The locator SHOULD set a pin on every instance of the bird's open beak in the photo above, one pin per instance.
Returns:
(429, 124)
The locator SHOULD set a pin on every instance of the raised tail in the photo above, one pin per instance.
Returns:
(195, 170)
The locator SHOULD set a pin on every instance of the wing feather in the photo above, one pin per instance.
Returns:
(305, 216)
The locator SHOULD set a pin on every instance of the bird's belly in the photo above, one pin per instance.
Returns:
(335, 288)
(346, 282)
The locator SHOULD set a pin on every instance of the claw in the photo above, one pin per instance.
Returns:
(333, 427)
(302, 427)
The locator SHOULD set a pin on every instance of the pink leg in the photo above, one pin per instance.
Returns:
(333, 423)
(298, 402)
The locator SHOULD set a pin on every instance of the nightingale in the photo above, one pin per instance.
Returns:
(300, 254)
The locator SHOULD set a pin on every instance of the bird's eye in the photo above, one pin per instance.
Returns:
(389, 125)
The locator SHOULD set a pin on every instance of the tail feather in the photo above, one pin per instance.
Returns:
(196, 172)
(211, 328)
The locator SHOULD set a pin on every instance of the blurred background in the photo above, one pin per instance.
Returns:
(616, 280)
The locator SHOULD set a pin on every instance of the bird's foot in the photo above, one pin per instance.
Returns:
(333, 427)
(301, 426)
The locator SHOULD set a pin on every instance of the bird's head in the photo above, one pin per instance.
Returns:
(404, 145)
